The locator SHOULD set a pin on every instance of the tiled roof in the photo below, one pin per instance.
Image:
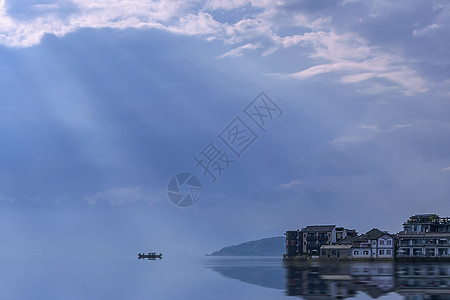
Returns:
(351, 239)
(336, 247)
(374, 234)
(318, 228)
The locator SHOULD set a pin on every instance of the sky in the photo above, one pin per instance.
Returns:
(102, 103)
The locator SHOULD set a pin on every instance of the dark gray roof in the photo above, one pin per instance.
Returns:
(318, 228)
(374, 234)
(374, 291)
(425, 216)
(351, 239)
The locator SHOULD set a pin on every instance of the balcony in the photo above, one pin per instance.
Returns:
(323, 237)
(405, 243)
(420, 254)
(418, 243)
(311, 237)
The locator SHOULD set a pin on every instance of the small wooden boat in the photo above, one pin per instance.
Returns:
(150, 255)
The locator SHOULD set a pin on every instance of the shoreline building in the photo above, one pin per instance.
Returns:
(316, 236)
(374, 244)
(382, 243)
(425, 236)
(308, 240)
(294, 243)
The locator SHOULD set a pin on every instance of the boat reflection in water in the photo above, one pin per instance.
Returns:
(328, 280)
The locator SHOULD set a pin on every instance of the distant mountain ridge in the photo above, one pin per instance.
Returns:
(274, 246)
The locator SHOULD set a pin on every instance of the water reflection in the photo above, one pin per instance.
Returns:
(339, 280)
(424, 281)
(344, 280)
(332, 280)
(266, 272)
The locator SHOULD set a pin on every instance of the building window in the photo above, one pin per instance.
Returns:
(355, 252)
(381, 242)
(374, 243)
(366, 252)
(388, 242)
(381, 252)
(388, 252)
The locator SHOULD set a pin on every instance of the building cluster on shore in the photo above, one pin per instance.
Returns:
(425, 236)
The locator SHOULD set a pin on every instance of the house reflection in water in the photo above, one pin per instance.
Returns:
(325, 280)
(339, 280)
(423, 281)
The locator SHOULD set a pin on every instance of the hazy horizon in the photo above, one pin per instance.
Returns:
(103, 103)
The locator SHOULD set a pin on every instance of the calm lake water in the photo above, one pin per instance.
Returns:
(219, 278)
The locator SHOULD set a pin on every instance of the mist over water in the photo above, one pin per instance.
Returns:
(191, 277)
(287, 113)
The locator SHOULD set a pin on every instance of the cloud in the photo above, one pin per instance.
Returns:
(447, 169)
(239, 50)
(400, 126)
(343, 141)
(122, 195)
(290, 184)
(29, 30)
(364, 133)
(423, 31)
(354, 61)
(260, 24)
(377, 128)
(202, 24)
(8, 199)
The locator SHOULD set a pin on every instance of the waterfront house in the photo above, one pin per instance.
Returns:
(316, 236)
(375, 244)
(294, 243)
(342, 233)
(335, 251)
(346, 248)
(425, 236)
(309, 240)
(360, 247)
(382, 244)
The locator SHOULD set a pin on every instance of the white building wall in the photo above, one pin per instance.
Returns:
(361, 252)
(333, 235)
(385, 246)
